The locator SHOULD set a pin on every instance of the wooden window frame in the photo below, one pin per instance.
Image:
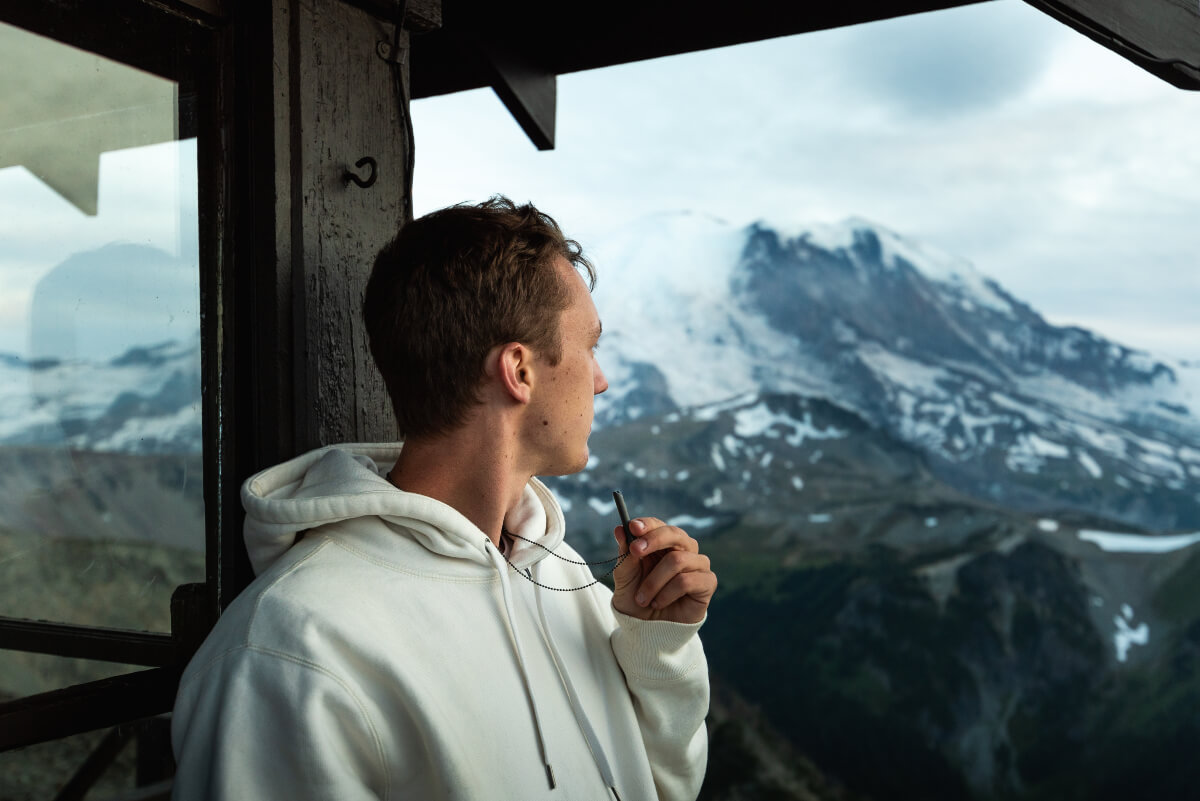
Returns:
(182, 43)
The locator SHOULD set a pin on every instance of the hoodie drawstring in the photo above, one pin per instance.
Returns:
(506, 589)
(585, 725)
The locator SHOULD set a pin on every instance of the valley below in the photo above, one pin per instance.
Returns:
(899, 637)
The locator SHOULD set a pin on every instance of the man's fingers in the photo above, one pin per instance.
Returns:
(672, 564)
(655, 535)
(665, 574)
(698, 586)
(629, 570)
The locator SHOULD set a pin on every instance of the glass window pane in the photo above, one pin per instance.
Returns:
(101, 502)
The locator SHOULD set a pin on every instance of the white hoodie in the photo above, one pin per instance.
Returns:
(390, 652)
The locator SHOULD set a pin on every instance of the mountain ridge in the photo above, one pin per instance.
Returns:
(957, 365)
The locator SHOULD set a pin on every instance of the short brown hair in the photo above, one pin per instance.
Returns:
(451, 286)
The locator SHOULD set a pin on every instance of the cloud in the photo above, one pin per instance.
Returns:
(992, 133)
(147, 196)
(949, 62)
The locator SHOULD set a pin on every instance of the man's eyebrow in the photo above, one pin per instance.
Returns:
(598, 331)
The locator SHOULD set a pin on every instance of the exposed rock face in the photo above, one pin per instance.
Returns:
(898, 469)
(1003, 405)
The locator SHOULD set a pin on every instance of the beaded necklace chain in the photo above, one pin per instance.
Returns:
(529, 577)
(506, 532)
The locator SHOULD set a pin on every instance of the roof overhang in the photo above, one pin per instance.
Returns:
(518, 48)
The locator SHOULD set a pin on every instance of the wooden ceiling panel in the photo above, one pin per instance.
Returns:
(568, 37)
(1161, 36)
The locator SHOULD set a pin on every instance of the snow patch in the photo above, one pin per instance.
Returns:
(1127, 636)
(711, 411)
(1138, 543)
(714, 499)
(1162, 466)
(1029, 453)
(1044, 447)
(688, 521)
(600, 506)
(759, 420)
(183, 426)
(1089, 464)
(922, 379)
(717, 459)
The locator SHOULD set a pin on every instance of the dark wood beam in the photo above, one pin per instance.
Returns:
(97, 762)
(528, 90)
(420, 16)
(568, 37)
(1160, 36)
(86, 707)
(317, 96)
(87, 642)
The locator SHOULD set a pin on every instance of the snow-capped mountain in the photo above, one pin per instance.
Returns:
(1005, 405)
(146, 400)
(915, 342)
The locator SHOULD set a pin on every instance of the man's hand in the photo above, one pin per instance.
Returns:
(665, 576)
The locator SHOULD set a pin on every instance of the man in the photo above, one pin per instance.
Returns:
(418, 629)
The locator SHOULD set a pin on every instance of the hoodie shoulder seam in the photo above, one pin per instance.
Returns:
(349, 690)
(258, 599)
(395, 568)
(317, 668)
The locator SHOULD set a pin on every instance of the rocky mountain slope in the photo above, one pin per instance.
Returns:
(1004, 406)
(911, 640)
(942, 524)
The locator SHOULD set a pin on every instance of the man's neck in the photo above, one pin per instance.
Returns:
(466, 470)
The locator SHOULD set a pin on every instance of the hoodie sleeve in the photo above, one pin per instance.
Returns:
(667, 675)
(264, 725)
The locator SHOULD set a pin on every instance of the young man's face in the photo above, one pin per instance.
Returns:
(561, 411)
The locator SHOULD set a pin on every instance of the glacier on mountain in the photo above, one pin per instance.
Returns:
(914, 341)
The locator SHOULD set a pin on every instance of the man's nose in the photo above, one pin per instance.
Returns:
(600, 383)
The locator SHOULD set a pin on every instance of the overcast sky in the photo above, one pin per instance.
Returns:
(990, 131)
(101, 304)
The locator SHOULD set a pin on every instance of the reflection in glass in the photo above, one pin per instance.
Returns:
(101, 503)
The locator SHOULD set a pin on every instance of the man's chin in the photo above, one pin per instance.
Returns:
(570, 468)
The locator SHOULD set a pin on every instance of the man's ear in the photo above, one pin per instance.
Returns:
(514, 370)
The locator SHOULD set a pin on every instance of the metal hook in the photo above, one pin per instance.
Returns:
(365, 161)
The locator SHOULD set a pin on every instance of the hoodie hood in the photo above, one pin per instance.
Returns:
(345, 482)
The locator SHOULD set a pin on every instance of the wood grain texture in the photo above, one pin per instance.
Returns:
(1167, 30)
(348, 109)
(334, 101)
